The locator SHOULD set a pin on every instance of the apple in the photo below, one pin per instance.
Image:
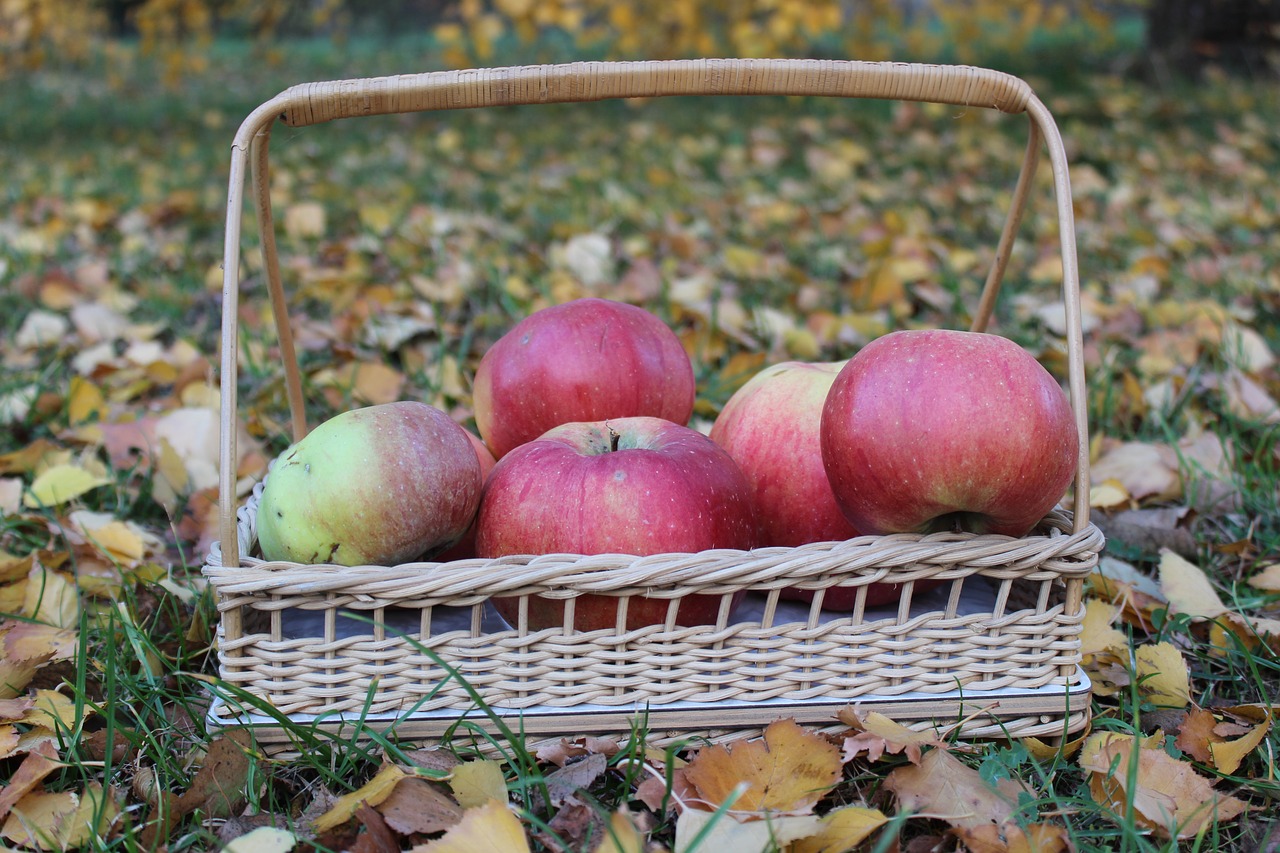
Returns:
(770, 426)
(465, 548)
(372, 486)
(585, 360)
(623, 486)
(934, 430)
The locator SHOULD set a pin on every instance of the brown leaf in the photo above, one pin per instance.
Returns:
(1035, 838)
(491, 828)
(416, 805)
(877, 735)
(1170, 798)
(563, 784)
(30, 773)
(373, 792)
(1196, 734)
(377, 836)
(944, 787)
(788, 770)
(218, 785)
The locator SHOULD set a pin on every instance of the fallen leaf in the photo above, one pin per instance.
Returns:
(1188, 588)
(788, 770)
(264, 839)
(31, 641)
(416, 805)
(1170, 798)
(622, 835)
(878, 735)
(475, 783)
(490, 827)
(1226, 756)
(219, 784)
(31, 772)
(61, 484)
(563, 784)
(944, 787)
(10, 495)
(61, 821)
(1163, 677)
(711, 831)
(1268, 579)
(304, 219)
(373, 792)
(1196, 734)
(1097, 636)
(1011, 838)
(52, 711)
(51, 598)
(842, 829)
(1145, 471)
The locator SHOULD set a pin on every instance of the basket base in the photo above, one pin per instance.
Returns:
(1052, 710)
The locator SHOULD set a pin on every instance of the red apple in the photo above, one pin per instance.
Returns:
(585, 360)
(626, 486)
(376, 486)
(770, 427)
(945, 430)
(465, 548)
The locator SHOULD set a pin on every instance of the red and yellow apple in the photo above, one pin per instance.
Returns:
(933, 430)
(585, 360)
(624, 486)
(465, 548)
(372, 486)
(770, 426)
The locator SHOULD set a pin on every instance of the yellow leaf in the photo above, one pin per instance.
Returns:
(1097, 636)
(61, 821)
(1143, 470)
(490, 827)
(35, 641)
(1170, 798)
(622, 835)
(52, 711)
(1188, 588)
(52, 598)
(475, 783)
(62, 483)
(789, 770)
(264, 839)
(85, 401)
(1111, 493)
(1230, 754)
(372, 792)
(1046, 751)
(1162, 675)
(123, 541)
(842, 829)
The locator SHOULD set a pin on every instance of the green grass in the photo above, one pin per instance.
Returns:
(542, 174)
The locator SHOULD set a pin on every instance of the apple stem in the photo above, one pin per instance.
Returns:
(614, 438)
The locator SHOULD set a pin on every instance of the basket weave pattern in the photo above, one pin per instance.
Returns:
(1027, 639)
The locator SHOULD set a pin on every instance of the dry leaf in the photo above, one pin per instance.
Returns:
(264, 839)
(416, 805)
(373, 792)
(1196, 734)
(1163, 677)
(10, 495)
(1035, 838)
(51, 598)
(622, 835)
(1097, 636)
(879, 735)
(563, 784)
(490, 827)
(842, 829)
(944, 787)
(1188, 588)
(1170, 797)
(61, 821)
(718, 832)
(31, 772)
(35, 641)
(61, 484)
(304, 219)
(1145, 471)
(52, 711)
(1201, 737)
(788, 770)
(1268, 579)
(475, 783)
(219, 784)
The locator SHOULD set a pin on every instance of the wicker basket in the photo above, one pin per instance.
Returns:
(994, 648)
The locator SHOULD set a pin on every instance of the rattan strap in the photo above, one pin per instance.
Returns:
(963, 85)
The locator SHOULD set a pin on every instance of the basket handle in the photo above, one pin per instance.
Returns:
(313, 103)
